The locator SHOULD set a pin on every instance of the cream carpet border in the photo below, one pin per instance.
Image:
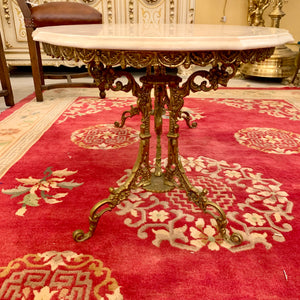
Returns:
(24, 127)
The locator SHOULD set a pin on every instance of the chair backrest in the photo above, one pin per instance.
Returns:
(25, 9)
(131, 11)
(58, 13)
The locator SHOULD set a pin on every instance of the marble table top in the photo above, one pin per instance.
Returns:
(163, 37)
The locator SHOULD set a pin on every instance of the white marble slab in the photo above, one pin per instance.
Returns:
(163, 37)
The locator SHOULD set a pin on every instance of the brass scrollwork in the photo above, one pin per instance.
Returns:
(161, 180)
(171, 59)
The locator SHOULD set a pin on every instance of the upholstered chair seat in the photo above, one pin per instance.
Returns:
(64, 13)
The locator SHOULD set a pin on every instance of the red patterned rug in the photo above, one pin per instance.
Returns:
(59, 157)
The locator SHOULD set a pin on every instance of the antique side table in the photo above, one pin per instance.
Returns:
(217, 50)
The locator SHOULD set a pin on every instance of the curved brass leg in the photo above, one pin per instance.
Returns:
(200, 199)
(187, 117)
(116, 196)
(140, 175)
(235, 238)
(127, 114)
(135, 111)
(79, 235)
(175, 169)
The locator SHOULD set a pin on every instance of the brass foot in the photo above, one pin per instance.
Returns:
(80, 236)
(102, 94)
(236, 238)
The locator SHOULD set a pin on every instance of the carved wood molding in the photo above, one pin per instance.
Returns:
(151, 1)
(6, 11)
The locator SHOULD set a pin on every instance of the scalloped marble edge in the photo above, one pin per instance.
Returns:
(163, 37)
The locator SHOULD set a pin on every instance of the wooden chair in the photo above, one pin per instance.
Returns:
(6, 91)
(53, 14)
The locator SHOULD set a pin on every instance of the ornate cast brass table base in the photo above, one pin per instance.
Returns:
(169, 93)
(173, 175)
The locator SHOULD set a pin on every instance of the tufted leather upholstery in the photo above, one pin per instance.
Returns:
(64, 13)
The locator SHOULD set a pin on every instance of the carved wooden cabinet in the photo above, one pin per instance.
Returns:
(113, 11)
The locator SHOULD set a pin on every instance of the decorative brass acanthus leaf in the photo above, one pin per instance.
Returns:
(171, 59)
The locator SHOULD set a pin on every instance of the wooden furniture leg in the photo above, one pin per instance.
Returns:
(6, 91)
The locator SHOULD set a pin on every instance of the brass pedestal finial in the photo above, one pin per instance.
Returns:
(282, 63)
(277, 14)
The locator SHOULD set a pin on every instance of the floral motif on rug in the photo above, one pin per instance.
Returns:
(91, 105)
(276, 108)
(58, 275)
(46, 188)
(262, 217)
(105, 137)
(269, 140)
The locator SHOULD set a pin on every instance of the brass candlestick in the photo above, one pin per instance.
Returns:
(277, 14)
(282, 63)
